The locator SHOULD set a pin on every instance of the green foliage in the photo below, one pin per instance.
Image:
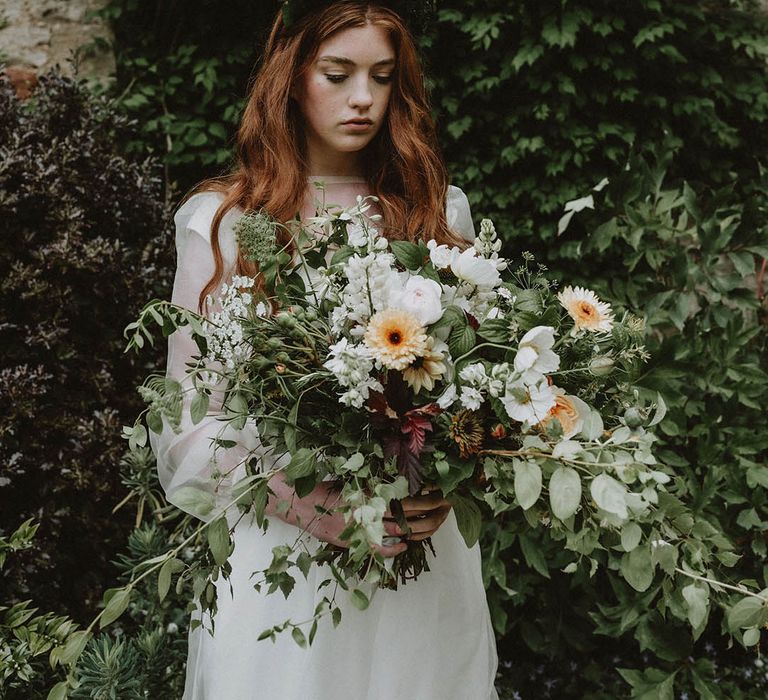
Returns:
(690, 259)
(547, 99)
(84, 243)
(549, 96)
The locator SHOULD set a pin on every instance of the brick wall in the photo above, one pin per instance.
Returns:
(35, 35)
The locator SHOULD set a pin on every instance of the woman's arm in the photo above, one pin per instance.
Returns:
(190, 457)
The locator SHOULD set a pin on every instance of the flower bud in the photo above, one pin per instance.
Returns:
(499, 432)
(601, 366)
(634, 417)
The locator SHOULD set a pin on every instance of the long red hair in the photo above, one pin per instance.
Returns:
(403, 163)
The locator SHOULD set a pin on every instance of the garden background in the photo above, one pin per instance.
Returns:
(536, 102)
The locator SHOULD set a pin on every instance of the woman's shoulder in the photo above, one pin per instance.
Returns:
(458, 214)
(195, 216)
(196, 212)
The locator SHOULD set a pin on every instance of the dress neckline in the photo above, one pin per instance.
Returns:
(336, 179)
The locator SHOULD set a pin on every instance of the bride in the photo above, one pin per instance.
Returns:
(338, 109)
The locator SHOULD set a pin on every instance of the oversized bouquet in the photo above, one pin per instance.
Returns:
(385, 366)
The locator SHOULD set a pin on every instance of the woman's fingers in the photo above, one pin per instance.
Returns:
(390, 550)
(426, 526)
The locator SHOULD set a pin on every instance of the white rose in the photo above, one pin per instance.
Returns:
(420, 297)
(440, 255)
(478, 271)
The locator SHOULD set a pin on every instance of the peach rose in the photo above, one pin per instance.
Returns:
(569, 410)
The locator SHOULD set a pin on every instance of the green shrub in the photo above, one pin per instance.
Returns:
(85, 241)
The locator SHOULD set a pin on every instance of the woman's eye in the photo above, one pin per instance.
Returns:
(336, 77)
(383, 79)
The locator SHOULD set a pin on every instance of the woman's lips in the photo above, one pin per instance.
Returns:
(358, 125)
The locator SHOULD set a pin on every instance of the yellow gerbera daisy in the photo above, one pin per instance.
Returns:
(425, 369)
(586, 310)
(395, 338)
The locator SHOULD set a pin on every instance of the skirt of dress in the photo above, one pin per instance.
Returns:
(432, 639)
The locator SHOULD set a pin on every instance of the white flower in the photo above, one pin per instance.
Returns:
(352, 366)
(535, 352)
(371, 517)
(474, 374)
(528, 403)
(471, 398)
(372, 279)
(480, 272)
(357, 236)
(448, 398)
(440, 255)
(497, 382)
(586, 310)
(420, 297)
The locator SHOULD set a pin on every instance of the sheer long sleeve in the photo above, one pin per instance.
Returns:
(458, 214)
(190, 458)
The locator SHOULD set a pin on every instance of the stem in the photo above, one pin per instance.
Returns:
(714, 582)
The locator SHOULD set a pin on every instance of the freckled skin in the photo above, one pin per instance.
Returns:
(331, 93)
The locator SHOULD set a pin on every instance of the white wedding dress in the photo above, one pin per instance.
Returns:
(430, 640)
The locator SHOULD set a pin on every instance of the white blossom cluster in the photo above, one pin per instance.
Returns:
(488, 244)
(523, 389)
(352, 366)
(370, 280)
(224, 330)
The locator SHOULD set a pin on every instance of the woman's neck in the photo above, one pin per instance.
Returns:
(333, 164)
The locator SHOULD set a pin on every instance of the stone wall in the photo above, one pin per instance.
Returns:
(35, 35)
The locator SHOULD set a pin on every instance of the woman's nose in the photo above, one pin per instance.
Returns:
(361, 96)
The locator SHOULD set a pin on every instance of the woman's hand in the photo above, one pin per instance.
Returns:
(424, 513)
(325, 526)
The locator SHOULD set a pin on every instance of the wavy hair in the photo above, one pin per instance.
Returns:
(403, 163)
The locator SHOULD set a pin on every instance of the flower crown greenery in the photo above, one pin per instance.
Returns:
(416, 13)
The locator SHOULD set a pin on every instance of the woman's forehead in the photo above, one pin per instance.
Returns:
(369, 45)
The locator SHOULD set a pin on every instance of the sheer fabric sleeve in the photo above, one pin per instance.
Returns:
(458, 214)
(189, 458)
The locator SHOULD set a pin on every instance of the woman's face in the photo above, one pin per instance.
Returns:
(344, 96)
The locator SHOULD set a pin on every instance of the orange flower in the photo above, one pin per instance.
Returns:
(569, 410)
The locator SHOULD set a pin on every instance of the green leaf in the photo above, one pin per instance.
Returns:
(302, 464)
(359, 599)
(72, 648)
(237, 410)
(199, 407)
(408, 254)
(564, 492)
(631, 534)
(116, 601)
(218, 540)
(745, 613)
(637, 568)
(533, 555)
(299, 638)
(169, 567)
(609, 494)
(468, 517)
(192, 499)
(495, 330)
(527, 483)
(461, 340)
(592, 429)
(751, 637)
(59, 691)
(697, 604)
